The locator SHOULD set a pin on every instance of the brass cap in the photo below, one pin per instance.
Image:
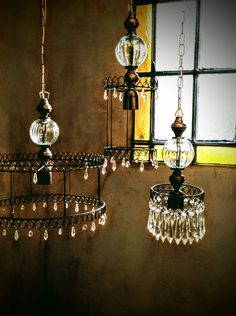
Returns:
(44, 108)
(131, 23)
(178, 127)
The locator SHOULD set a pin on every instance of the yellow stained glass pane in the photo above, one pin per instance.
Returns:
(144, 15)
(216, 155)
(141, 155)
(142, 119)
(159, 152)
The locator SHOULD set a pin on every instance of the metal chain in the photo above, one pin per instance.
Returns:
(43, 93)
(180, 80)
(131, 6)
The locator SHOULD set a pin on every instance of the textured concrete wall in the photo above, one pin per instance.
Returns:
(121, 270)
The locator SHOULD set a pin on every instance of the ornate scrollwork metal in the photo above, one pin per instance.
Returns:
(29, 162)
(119, 83)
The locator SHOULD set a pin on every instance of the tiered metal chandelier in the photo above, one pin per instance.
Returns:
(130, 52)
(176, 210)
(41, 209)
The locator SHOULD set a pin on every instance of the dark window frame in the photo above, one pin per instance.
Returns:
(195, 72)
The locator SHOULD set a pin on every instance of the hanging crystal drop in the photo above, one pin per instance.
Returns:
(105, 96)
(34, 207)
(86, 174)
(45, 235)
(93, 226)
(121, 96)
(127, 164)
(35, 178)
(76, 207)
(30, 233)
(72, 231)
(55, 206)
(84, 227)
(155, 163)
(22, 207)
(102, 220)
(67, 204)
(44, 204)
(141, 166)
(112, 159)
(123, 162)
(114, 166)
(16, 235)
(4, 232)
(85, 207)
(115, 93)
(60, 231)
(143, 94)
(104, 170)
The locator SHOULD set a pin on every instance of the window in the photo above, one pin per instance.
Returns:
(209, 92)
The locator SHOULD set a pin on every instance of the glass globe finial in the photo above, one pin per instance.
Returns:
(178, 153)
(131, 51)
(44, 131)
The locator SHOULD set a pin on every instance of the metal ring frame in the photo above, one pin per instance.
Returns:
(136, 153)
(143, 83)
(13, 217)
(29, 162)
(66, 220)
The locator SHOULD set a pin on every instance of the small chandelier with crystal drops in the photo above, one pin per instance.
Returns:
(43, 211)
(130, 52)
(176, 210)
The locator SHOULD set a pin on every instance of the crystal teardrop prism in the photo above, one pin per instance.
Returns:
(76, 207)
(60, 231)
(72, 231)
(114, 166)
(127, 164)
(84, 227)
(44, 204)
(34, 207)
(143, 95)
(45, 235)
(115, 93)
(123, 162)
(35, 178)
(22, 207)
(105, 96)
(121, 96)
(30, 233)
(141, 166)
(93, 226)
(55, 206)
(86, 174)
(4, 232)
(104, 170)
(16, 235)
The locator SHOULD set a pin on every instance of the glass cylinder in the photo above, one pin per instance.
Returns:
(178, 153)
(44, 131)
(131, 50)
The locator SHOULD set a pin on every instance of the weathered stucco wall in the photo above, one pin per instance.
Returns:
(121, 270)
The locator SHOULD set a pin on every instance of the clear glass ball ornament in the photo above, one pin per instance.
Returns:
(178, 153)
(44, 131)
(131, 50)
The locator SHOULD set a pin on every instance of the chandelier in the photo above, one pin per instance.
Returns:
(41, 209)
(130, 52)
(176, 210)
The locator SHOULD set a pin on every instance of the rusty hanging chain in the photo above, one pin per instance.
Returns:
(43, 93)
(180, 80)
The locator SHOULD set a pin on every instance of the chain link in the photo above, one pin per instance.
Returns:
(180, 79)
(43, 93)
